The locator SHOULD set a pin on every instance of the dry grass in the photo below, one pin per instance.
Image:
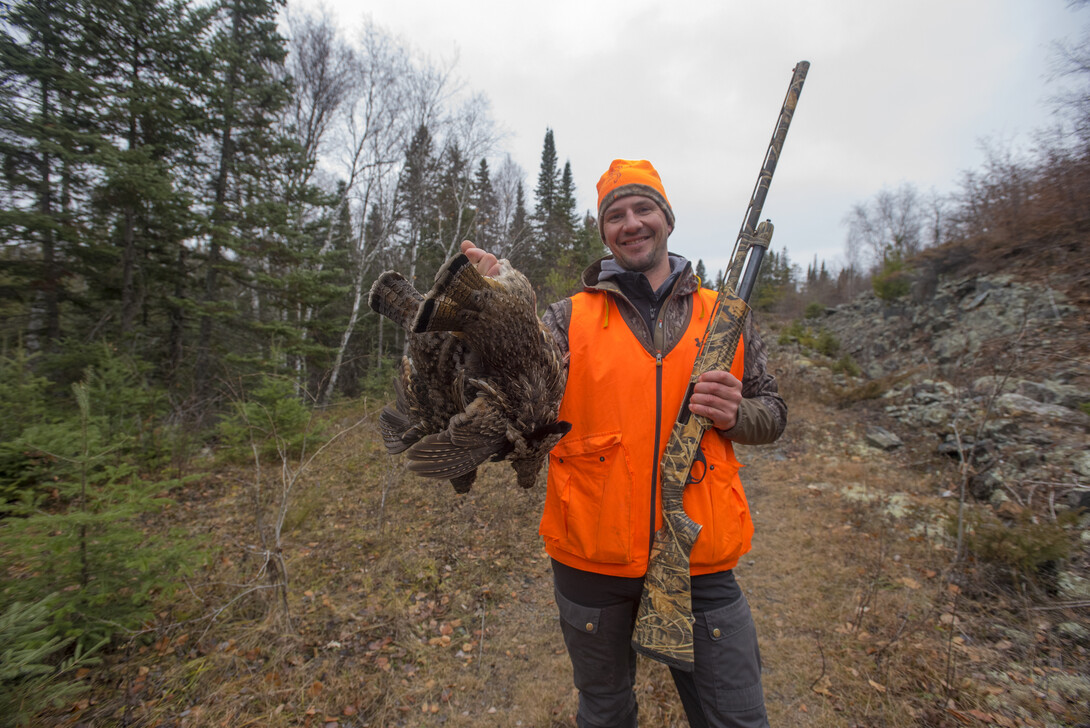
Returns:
(412, 606)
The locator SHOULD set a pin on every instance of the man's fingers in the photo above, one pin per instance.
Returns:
(716, 396)
(485, 262)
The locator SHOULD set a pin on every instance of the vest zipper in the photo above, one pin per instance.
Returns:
(657, 337)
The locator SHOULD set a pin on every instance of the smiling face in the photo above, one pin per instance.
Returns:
(635, 231)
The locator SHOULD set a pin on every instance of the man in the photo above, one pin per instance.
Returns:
(632, 337)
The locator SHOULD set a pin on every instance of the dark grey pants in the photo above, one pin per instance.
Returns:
(724, 690)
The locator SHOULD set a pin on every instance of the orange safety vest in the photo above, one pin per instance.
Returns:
(604, 499)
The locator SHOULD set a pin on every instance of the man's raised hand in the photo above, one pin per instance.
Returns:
(485, 262)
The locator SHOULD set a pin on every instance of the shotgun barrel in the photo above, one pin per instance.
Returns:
(664, 622)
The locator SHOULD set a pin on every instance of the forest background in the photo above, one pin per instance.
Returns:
(195, 199)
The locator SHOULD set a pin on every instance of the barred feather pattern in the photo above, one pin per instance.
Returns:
(429, 389)
(483, 380)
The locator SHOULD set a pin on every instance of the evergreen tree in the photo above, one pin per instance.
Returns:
(548, 185)
(588, 243)
(565, 218)
(486, 222)
(242, 99)
(82, 531)
(776, 281)
(147, 60)
(520, 221)
(702, 273)
(455, 199)
(416, 203)
(45, 141)
(555, 221)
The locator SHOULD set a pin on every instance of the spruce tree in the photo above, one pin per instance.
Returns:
(775, 282)
(45, 138)
(242, 99)
(455, 199)
(146, 57)
(548, 184)
(702, 273)
(520, 221)
(566, 219)
(416, 199)
(486, 214)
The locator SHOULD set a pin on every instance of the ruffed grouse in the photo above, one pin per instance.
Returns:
(483, 379)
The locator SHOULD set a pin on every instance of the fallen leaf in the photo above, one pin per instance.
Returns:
(962, 717)
(877, 686)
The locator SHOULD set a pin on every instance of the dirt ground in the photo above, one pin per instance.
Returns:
(408, 605)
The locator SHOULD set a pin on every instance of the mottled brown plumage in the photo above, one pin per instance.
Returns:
(483, 379)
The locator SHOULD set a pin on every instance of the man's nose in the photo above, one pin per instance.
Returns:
(631, 221)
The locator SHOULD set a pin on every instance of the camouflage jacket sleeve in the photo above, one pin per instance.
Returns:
(555, 319)
(762, 414)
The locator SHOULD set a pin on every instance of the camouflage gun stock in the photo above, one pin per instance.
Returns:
(664, 623)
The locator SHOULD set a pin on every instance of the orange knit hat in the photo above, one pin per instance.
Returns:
(631, 177)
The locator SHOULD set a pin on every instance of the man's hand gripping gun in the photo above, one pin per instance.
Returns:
(664, 623)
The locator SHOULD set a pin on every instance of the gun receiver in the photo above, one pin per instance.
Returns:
(664, 623)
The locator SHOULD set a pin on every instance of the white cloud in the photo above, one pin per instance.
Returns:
(897, 92)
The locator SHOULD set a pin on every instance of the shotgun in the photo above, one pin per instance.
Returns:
(664, 622)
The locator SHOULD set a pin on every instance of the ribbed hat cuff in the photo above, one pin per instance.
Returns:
(634, 189)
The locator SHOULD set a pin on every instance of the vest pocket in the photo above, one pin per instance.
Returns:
(589, 506)
(718, 503)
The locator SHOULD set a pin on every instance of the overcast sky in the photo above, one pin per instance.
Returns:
(897, 92)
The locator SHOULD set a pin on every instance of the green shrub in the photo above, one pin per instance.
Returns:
(795, 331)
(846, 365)
(38, 422)
(84, 536)
(826, 344)
(818, 340)
(36, 671)
(893, 280)
(814, 310)
(1021, 548)
(22, 394)
(377, 381)
(272, 419)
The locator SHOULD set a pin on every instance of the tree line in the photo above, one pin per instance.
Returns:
(213, 196)
(195, 197)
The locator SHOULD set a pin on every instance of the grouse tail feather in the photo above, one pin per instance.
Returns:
(395, 298)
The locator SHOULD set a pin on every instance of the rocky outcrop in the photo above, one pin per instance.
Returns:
(952, 327)
(991, 369)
